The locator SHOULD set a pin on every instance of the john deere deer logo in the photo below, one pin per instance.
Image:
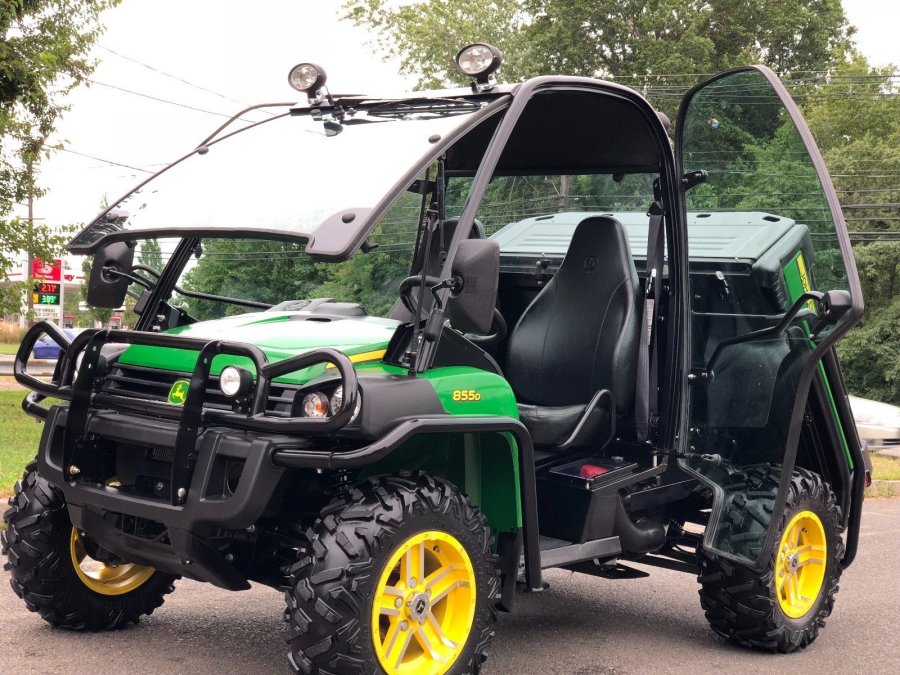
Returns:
(179, 391)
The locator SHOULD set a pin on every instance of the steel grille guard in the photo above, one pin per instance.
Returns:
(84, 390)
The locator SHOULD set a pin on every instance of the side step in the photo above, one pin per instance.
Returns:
(557, 552)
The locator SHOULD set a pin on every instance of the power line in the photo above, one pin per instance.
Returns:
(177, 78)
(164, 100)
(106, 161)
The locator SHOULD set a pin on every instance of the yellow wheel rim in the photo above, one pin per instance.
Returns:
(102, 578)
(800, 564)
(424, 605)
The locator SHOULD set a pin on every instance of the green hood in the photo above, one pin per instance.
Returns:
(280, 335)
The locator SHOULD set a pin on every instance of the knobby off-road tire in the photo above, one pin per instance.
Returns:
(38, 543)
(343, 585)
(755, 610)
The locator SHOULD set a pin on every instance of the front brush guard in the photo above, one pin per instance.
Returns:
(80, 457)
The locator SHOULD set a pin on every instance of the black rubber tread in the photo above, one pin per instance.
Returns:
(332, 584)
(36, 543)
(741, 604)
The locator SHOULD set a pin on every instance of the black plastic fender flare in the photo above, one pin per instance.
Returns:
(366, 455)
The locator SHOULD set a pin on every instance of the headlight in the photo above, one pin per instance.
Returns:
(316, 405)
(337, 399)
(479, 61)
(234, 381)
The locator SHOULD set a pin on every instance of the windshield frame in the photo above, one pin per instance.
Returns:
(318, 243)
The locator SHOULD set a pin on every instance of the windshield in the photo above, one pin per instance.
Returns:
(288, 178)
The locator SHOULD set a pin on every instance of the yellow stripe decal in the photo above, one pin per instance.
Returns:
(804, 279)
(364, 356)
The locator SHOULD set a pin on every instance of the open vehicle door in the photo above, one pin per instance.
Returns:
(773, 286)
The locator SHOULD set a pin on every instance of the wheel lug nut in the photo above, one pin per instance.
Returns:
(404, 626)
(398, 603)
(413, 582)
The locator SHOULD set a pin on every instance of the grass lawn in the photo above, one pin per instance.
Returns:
(885, 468)
(9, 348)
(19, 436)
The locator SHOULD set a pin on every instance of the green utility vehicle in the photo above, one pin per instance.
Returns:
(594, 350)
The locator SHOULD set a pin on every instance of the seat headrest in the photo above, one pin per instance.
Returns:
(595, 238)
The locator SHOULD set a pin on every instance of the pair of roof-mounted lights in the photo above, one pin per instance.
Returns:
(478, 61)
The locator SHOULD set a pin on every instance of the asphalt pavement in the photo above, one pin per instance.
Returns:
(582, 625)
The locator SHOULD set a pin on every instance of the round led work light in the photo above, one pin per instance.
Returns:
(307, 77)
(235, 381)
(479, 61)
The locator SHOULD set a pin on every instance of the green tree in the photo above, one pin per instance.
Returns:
(263, 271)
(870, 353)
(646, 39)
(150, 254)
(273, 272)
(426, 36)
(855, 117)
(43, 56)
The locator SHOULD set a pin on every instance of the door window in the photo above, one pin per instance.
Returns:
(762, 230)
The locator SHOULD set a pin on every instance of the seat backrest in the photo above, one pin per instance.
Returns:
(580, 334)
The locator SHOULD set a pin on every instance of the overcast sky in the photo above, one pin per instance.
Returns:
(219, 46)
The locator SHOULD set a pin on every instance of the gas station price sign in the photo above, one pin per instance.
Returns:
(46, 293)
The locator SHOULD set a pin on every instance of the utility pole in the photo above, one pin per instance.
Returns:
(29, 270)
(565, 192)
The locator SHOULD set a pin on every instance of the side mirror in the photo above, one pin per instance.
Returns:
(477, 266)
(106, 288)
(835, 305)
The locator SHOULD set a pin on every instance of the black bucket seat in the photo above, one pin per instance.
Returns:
(579, 336)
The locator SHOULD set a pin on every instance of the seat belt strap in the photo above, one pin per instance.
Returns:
(646, 375)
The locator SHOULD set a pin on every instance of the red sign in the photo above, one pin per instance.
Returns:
(50, 270)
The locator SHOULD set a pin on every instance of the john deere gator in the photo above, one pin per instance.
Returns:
(600, 339)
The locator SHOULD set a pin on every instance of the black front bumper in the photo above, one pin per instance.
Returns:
(208, 507)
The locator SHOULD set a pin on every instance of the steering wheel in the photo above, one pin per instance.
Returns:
(498, 331)
(408, 284)
(498, 327)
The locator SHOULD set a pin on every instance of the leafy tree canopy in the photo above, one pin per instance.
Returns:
(870, 353)
(43, 56)
(609, 38)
